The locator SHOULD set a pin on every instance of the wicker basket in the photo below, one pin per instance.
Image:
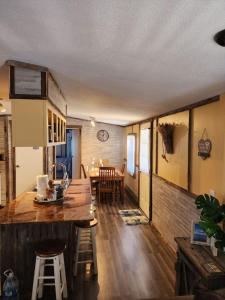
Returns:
(166, 131)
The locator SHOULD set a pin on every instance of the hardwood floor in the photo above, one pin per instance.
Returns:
(133, 261)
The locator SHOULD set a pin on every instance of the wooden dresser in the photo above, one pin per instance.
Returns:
(198, 272)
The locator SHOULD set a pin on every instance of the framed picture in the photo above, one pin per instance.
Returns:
(198, 235)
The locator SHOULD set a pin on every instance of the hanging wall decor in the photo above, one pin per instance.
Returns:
(204, 145)
(166, 131)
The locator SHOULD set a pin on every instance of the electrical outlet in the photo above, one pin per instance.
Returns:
(212, 192)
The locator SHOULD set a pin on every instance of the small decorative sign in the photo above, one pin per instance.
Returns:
(198, 235)
(204, 146)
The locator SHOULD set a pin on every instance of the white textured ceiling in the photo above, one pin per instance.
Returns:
(120, 60)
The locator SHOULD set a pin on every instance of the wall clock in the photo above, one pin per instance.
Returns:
(103, 135)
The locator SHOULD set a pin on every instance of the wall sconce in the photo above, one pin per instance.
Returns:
(2, 108)
(92, 121)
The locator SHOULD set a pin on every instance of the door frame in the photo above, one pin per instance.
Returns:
(77, 127)
(150, 166)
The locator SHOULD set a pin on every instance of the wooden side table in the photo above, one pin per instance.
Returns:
(197, 268)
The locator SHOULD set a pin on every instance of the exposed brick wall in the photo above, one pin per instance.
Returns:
(91, 147)
(173, 211)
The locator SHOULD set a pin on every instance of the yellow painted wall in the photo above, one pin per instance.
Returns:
(210, 173)
(176, 169)
(132, 182)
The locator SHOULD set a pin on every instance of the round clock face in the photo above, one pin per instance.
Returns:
(102, 135)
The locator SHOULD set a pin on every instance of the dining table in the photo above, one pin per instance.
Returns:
(119, 177)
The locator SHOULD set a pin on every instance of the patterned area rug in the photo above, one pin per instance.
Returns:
(133, 217)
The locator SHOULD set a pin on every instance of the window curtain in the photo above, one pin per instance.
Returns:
(144, 150)
(131, 154)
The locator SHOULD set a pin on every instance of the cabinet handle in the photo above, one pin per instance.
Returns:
(17, 166)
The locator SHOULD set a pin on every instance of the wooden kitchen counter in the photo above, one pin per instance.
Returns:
(76, 207)
(23, 223)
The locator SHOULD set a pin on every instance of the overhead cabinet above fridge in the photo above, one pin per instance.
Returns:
(38, 105)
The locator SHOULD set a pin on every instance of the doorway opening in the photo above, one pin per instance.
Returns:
(69, 154)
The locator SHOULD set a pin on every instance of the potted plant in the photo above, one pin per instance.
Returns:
(212, 215)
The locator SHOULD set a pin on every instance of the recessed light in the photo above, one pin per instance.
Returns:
(219, 38)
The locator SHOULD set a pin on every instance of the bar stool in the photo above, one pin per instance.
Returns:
(86, 235)
(50, 253)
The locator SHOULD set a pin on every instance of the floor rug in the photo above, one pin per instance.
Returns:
(133, 217)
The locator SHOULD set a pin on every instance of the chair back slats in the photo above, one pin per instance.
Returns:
(106, 177)
(83, 171)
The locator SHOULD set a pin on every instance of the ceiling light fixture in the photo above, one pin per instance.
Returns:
(92, 121)
(219, 38)
(2, 108)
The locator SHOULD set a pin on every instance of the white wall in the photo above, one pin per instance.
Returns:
(91, 147)
(30, 162)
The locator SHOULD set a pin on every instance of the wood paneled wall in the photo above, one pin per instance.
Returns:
(173, 211)
(176, 182)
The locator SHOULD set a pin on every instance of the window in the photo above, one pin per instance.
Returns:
(144, 151)
(131, 141)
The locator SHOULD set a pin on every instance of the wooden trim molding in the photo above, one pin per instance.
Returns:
(6, 152)
(185, 191)
(14, 171)
(12, 93)
(151, 171)
(190, 125)
(157, 147)
(16, 63)
(73, 127)
(177, 110)
(191, 106)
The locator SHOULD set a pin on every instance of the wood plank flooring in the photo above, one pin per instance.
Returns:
(133, 261)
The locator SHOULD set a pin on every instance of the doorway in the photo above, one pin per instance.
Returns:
(25, 157)
(145, 169)
(69, 154)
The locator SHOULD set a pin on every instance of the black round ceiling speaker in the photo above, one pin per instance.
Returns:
(219, 38)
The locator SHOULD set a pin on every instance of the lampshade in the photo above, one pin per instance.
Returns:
(2, 108)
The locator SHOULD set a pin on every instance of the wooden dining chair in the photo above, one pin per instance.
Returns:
(107, 182)
(83, 171)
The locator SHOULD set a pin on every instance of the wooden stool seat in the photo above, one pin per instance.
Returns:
(90, 224)
(49, 248)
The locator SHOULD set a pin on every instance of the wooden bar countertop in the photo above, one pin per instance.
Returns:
(75, 208)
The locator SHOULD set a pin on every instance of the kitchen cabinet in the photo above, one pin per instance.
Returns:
(37, 123)
(38, 105)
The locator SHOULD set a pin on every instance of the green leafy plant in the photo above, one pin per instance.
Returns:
(212, 213)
